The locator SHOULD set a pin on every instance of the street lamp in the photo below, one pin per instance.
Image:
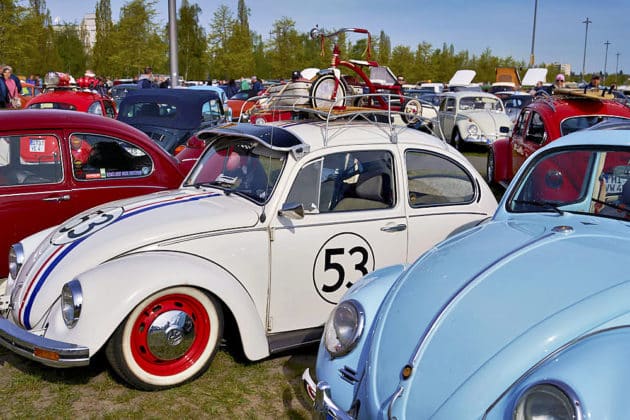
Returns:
(607, 43)
(587, 21)
(531, 55)
(617, 68)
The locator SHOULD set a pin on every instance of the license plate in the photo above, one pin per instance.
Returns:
(37, 145)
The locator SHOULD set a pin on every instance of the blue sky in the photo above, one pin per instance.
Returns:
(504, 26)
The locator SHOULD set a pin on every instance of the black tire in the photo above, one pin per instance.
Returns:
(490, 167)
(322, 90)
(456, 140)
(412, 109)
(168, 339)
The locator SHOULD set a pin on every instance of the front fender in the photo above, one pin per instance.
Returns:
(112, 289)
(594, 369)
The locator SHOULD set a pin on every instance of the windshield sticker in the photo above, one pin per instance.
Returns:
(340, 262)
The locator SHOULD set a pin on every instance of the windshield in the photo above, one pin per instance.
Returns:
(243, 166)
(591, 181)
(480, 103)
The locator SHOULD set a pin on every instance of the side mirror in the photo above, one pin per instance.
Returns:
(292, 211)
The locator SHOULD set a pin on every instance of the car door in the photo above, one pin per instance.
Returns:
(34, 190)
(441, 196)
(447, 118)
(518, 141)
(354, 223)
(114, 169)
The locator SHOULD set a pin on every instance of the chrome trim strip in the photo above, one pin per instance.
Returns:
(324, 407)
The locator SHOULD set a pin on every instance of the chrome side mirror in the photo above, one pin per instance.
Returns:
(292, 211)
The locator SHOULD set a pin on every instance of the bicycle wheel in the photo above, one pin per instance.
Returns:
(322, 93)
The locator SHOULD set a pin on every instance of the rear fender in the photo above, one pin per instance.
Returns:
(502, 160)
(112, 289)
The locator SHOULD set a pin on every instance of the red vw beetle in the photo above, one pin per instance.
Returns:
(54, 164)
(60, 94)
(542, 121)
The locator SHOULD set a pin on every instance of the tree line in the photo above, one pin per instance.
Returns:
(223, 48)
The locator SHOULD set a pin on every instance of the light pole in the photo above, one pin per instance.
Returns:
(617, 68)
(607, 43)
(531, 55)
(587, 21)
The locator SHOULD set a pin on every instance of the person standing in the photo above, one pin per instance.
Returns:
(244, 84)
(231, 88)
(559, 83)
(10, 88)
(145, 80)
(256, 85)
(594, 82)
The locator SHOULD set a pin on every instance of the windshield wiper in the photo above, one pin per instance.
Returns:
(542, 204)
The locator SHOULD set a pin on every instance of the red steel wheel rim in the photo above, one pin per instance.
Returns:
(140, 350)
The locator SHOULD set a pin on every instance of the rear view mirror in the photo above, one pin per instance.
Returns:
(292, 211)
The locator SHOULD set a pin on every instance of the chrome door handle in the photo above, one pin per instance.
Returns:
(64, 197)
(394, 228)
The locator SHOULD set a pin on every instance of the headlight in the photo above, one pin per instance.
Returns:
(546, 401)
(473, 130)
(71, 302)
(344, 328)
(16, 259)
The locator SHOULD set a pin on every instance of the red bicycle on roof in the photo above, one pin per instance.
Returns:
(331, 89)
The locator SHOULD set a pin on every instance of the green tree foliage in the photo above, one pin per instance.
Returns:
(71, 50)
(227, 48)
(103, 48)
(191, 40)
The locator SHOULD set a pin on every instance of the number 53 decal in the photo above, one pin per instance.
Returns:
(341, 261)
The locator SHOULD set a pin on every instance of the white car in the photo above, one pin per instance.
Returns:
(273, 224)
(471, 117)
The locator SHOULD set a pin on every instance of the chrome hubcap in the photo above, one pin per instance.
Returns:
(171, 335)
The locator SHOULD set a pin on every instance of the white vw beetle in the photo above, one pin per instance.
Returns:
(271, 227)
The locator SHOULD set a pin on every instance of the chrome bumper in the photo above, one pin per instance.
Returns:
(323, 405)
(41, 349)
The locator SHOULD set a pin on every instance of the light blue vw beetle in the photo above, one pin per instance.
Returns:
(526, 316)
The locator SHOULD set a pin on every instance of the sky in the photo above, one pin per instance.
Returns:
(503, 26)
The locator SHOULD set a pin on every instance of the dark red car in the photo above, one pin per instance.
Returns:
(60, 94)
(54, 164)
(544, 120)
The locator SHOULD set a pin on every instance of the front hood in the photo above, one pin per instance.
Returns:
(106, 232)
(479, 310)
(489, 121)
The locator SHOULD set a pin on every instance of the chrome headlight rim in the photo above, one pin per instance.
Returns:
(473, 130)
(337, 348)
(71, 302)
(16, 259)
(559, 390)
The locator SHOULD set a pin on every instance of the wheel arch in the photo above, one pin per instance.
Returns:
(120, 286)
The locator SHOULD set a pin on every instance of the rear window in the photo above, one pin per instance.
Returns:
(573, 124)
(150, 110)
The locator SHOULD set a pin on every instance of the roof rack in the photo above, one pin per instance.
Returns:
(338, 117)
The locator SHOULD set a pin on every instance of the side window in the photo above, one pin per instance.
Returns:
(519, 127)
(95, 108)
(110, 111)
(34, 159)
(450, 105)
(536, 129)
(361, 180)
(99, 157)
(436, 180)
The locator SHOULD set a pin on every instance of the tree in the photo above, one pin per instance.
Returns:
(103, 49)
(282, 54)
(384, 49)
(221, 28)
(37, 40)
(243, 15)
(191, 40)
(70, 49)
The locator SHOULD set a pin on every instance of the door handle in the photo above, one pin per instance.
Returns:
(64, 197)
(394, 228)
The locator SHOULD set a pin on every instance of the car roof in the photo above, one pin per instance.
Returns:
(38, 119)
(466, 93)
(319, 134)
(561, 107)
(592, 137)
